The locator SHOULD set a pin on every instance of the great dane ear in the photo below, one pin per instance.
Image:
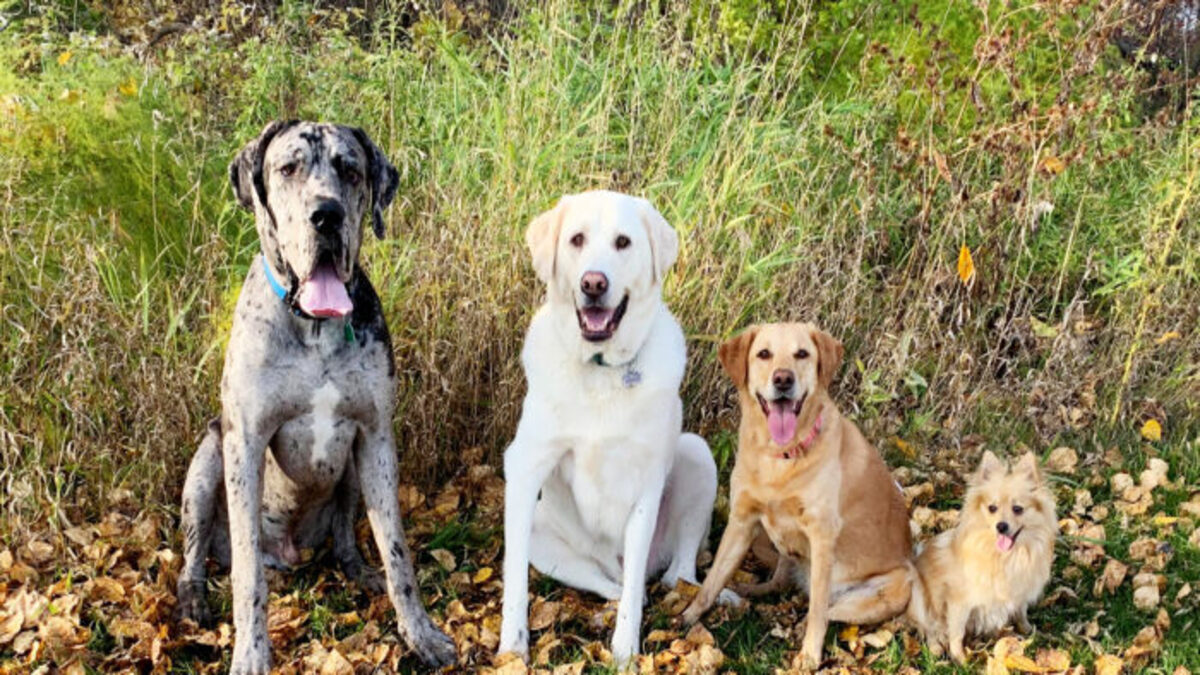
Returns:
(664, 242)
(733, 356)
(245, 171)
(383, 179)
(542, 239)
(829, 357)
(989, 466)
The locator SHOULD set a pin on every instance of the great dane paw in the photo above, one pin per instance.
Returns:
(433, 647)
(250, 660)
(191, 602)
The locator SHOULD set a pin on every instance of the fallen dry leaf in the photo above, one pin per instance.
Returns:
(966, 265)
(1107, 664)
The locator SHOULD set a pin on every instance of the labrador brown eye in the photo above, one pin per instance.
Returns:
(991, 508)
(622, 242)
(577, 240)
(287, 170)
(1018, 509)
(764, 354)
(802, 354)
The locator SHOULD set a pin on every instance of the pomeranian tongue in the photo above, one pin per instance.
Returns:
(781, 421)
(595, 319)
(324, 294)
(1004, 542)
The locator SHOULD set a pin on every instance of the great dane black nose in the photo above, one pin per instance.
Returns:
(593, 284)
(328, 216)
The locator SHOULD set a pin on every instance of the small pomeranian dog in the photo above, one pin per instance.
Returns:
(988, 569)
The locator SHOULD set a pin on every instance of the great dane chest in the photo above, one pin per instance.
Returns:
(312, 448)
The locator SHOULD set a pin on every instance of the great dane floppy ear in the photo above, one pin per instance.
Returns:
(542, 238)
(383, 179)
(829, 357)
(732, 354)
(246, 169)
(664, 242)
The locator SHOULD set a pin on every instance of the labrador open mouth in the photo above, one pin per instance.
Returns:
(323, 294)
(1005, 543)
(781, 417)
(599, 323)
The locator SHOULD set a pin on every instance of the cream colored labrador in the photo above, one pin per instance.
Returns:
(603, 488)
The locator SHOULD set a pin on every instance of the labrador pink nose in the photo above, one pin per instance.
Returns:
(783, 379)
(593, 284)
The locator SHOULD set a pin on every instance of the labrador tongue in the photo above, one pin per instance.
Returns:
(781, 422)
(324, 294)
(1004, 542)
(596, 319)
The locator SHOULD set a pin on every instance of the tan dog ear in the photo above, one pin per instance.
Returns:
(989, 466)
(542, 239)
(733, 353)
(664, 242)
(1028, 466)
(829, 357)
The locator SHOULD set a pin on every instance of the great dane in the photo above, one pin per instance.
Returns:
(307, 393)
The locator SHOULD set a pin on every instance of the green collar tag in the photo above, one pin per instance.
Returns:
(349, 331)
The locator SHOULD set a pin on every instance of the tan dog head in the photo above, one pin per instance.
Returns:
(603, 254)
(780, 366)
(1011, 504)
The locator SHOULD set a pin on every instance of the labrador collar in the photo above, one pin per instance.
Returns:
(287, 298)
(805, 443)
(631, 375)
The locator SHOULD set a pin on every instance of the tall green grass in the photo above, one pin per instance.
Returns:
(823, 161)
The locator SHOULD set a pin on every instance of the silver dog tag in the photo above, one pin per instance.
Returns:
(631, 378)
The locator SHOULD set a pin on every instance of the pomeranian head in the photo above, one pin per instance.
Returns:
(1011, 503)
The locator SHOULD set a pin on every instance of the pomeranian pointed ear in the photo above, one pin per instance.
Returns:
(1028, 466)
(989, 466)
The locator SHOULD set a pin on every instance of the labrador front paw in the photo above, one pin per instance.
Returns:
(728, 598)
(514, 640)
(625, 645)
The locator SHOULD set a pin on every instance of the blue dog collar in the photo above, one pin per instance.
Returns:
(348, 326)
(275, 285)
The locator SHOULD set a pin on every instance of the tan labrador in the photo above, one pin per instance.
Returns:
(807, 478)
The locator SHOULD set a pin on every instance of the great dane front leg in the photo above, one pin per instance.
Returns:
(376, 461)
(199, 515)
(524, 474)
(639, 531)
(243, 454)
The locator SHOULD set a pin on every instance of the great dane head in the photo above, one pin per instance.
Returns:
(310, 186)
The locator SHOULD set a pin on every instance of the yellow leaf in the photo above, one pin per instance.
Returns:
(64, 57)
(1109, 665)
(1052, 165)
(1022, 663)
(482, 575)
(1152, 430)
(849, 634)
(966, 265)
(905, 447)
(1167, 337)
(129, 87)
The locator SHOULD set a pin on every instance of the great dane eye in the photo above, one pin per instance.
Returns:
(352, 176)
(801, 354)
(764, 354)
(991, 508)
(622, 242)
(288, 170)
(1018, 509)
(577, 240)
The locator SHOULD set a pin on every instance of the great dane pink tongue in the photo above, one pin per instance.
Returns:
(324, 294)
(781, 422)
(1004, 542)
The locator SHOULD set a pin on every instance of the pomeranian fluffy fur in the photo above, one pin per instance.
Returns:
(985, 572)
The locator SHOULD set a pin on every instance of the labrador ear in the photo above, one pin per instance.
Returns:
(542, 239)
(664, 242)
(382, 177)
(1028, 466)
(989, 466)
(733, 355)
(829, 357)
(246, 169)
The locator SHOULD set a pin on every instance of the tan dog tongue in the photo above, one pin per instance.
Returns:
(1004, 542)
(324, 294)
(781, 422)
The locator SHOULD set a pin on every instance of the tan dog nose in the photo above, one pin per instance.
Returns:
(593, 284)
(783, 379)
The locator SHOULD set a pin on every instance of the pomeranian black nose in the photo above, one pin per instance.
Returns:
(1002, 527)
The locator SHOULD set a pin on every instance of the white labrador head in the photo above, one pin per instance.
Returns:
(605, 254)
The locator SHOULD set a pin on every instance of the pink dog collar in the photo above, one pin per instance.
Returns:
(807, 441)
